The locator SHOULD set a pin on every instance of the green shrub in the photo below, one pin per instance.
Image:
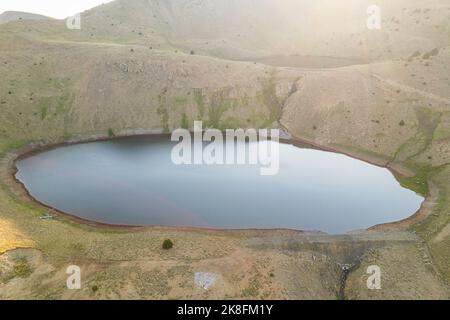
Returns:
(22, 268)
(111, 133)
(167, 244)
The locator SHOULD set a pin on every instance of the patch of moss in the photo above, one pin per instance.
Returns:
(428, 122)
(43, 112)
(184, 121)
(219, 105)
(270, 100)
(199, 100)
(417, 183)
(439, 218)
(11, 145)
(21, 268)
(22, 271)
(163, 112)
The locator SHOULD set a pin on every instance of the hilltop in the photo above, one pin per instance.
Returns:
(9, 16)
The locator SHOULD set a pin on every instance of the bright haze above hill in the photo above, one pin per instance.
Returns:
(50, 8)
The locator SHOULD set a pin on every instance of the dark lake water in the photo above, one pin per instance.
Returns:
(133, 181)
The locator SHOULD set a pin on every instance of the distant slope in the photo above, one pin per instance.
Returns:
(247, 28)
(9, 16)
(239, 30)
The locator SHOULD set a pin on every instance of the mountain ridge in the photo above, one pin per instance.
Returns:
(10, 16)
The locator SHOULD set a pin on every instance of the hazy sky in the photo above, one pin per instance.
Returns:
(52, 8)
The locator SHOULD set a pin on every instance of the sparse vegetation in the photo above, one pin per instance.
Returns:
(198, 96)
(184, 121)
(430, 54)
(22, 268)
(43, 112)
(163, 112)
(271, 101)
(111, 133)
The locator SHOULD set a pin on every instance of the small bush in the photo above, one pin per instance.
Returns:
(111, 133)
(94, 288)
(167, 244)
(22, 268)
(401, 123)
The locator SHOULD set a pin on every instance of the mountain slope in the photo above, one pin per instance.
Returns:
(9, 16)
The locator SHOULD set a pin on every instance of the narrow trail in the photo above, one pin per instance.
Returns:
(409, 89)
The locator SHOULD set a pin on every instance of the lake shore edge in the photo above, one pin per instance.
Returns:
(18, 188)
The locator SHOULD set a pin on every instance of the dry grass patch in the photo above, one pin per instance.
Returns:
(11, 238)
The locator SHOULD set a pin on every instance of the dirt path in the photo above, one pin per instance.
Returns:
(409, 89)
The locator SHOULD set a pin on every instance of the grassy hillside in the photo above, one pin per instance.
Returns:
(9, 16)
(311, 67)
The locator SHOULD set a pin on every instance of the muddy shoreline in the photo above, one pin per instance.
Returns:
(36, 148)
